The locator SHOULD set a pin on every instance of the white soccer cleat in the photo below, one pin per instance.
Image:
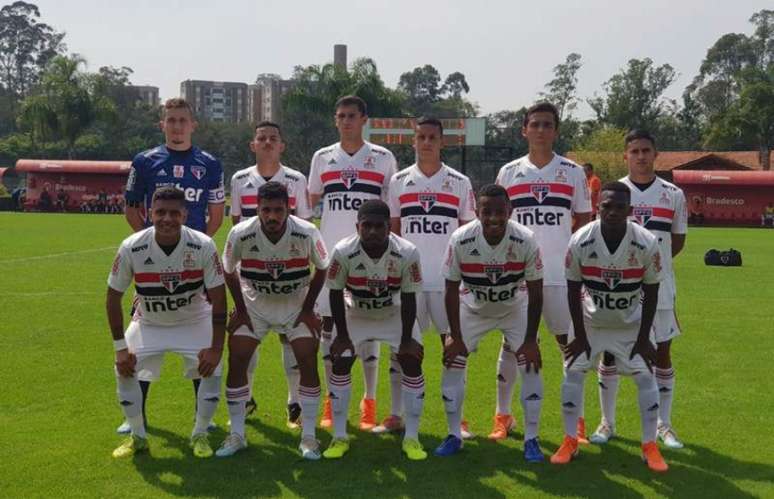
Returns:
(668, 436)
(310, 448)
(602, 434)
(231, 445)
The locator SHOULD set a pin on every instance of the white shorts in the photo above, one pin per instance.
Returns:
(665, 326)
(431, 308)
(150, 343)
(556, 311)
(618, 343)
(475, 326)
(387, 331)
(262, 327)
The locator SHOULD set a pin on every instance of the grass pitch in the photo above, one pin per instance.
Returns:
(58, 407)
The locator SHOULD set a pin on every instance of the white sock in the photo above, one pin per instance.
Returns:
(507, 368)
(309, 398)
(531, 401)
(608, 392)
(396, 390)
(291, 372)
(647, 397)
(413, 401)
(236, 398)
(341, 392)
(369, 354)
(572, 395)
(453, 392)
(207, 403)
(325, 348)
(251, 367)
(665, 379)
(130, 399)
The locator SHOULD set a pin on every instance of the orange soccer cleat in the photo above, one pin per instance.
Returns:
(367, 414)
(652, 456)
(566, 452)
(581, 431)
(326, 421)
(503, 423)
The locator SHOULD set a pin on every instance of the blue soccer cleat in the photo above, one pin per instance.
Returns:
(532, 452)
(450, 446)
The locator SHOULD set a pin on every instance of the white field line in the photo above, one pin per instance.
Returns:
(56, 255)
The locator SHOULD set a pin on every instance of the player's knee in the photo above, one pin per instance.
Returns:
(608, 359)
(561, 339)
(663, 355)
(343, 365)
(645, 380)
(327, 324)
(411, 366)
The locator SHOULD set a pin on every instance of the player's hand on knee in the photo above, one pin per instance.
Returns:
(529, 353)
(644, 348)
(575, 349)
(209, 358)
(452, 349)
(310, 320)
(125, 362)
(238, 319)
(341, 347)
(412, 349)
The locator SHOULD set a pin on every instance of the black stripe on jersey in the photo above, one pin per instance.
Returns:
(249, 212)
(548, 201)
(266, 277)
(624, 287)
(485, 281)
(362, 293)
(440, 211)
(162, 291)
(662, 226)
(376, 190)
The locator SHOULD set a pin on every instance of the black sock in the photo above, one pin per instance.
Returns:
(144, 387)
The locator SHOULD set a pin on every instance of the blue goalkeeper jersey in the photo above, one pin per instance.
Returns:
(197, 173)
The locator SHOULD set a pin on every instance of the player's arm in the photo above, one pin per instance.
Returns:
(232, 255)
(216, 197)
(580, 219)
(678, 243)
(236, 205)
(314, 183)
(529, 350)
(209, 358)
(679, 225)
(125, 361)
(580, 343)
(215, 213)
(650, 281)
(136, 191)
(342, 343)
(581, 201)
(395, 225)
(455, 346)
(467, 204)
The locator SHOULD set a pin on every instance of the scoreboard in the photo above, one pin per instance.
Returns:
(400, 131)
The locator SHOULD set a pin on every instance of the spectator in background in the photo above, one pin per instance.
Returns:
(62, 200)
(45, 202)
(102, 201)
(594, 186)
(767, 220)
(696, 211)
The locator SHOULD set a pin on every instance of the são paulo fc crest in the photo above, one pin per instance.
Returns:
(376, 287)
(170, 280)
(427, 200)
(642, 214)
(612, 278)
(540, 191)
(494, 272)
(275, 269)
(198, 171)
(349, 177)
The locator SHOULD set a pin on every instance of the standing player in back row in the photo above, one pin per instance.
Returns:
(428, 202)
(660, 207)
(549, 195)
(344, 176)
(268, 146)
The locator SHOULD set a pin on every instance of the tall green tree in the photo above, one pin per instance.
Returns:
(426, 95)
(561, 90)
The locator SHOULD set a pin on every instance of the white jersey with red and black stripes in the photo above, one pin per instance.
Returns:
(430, 209)
(491, 276)
(274, 276)
(170, 288)
(612, 282)
(244, 191)
(345, 181)
(544, 199)
(373, 288)
(661, 208)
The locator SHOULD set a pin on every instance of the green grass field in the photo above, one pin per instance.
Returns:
(58, 407)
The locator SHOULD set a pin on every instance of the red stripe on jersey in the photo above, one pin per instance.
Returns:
(478, 268)
(565, 189)
(156, 277)
(361, 175)
(634, 273)
(289, 264)
(362, 281)
(413, 197)
(253, 200)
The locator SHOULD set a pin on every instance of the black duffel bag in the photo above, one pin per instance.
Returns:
(730, 258)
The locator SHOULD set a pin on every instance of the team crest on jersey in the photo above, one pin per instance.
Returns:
(494, 272)
(427, 200)
(198, 171)
(189, 262)
(369, 162)
(376, 286)
(540, 191)
(170, 280)
(642, 214)
(612, 278)
(349, 177)
(561, 176)
(275, 269)
(178, 171)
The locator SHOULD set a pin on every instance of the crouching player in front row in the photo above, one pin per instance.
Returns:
(610, 263)
(493, 257)
(380, 273)
(273, 252)
(171, 266)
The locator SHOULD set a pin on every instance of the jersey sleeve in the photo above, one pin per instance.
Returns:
(216, 191)
(303, 210)
(451, 265)
(213, 269)
(337, 271)
(572, 267)
(394, 198)
(236, 200)
(653, 271)
(232, 255)
(680, 219)
(319, 253)
(467, 202)
(121, 273)
(411, 276)
(315, 182)
(533, 262)
(136, 188)
(392, 169)
(581, 198)
(500, 174)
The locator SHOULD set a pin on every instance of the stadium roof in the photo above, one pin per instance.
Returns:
(70, 166)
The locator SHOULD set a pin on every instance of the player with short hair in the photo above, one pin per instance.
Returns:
(380, 274)
(171, 266)
(343, 176)
(180, 164)
(492, 258)
(550, 196)
(428, 202)
(660, 207)
(268, 146)
(613, 269)
(272, 254)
